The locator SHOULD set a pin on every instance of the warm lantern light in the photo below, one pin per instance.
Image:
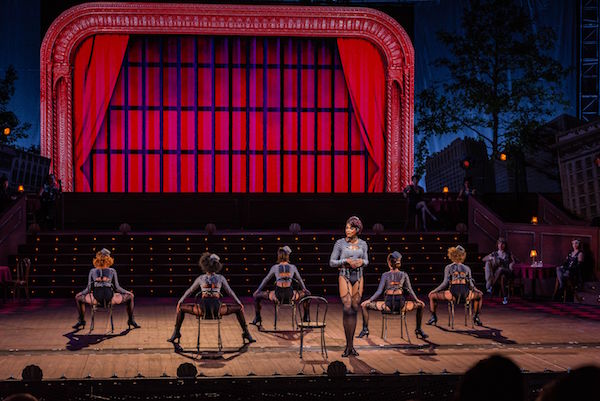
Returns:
(445, 190)
(21, 188)
(533, 255)
(534, 220)
(503, 157)
(6, 131)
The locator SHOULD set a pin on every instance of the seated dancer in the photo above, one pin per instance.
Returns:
(416, 202)
(394, 283)
(210, 284)
(457, 285)
(103, 288)
(498, 264)
(570, 267)
(284, 272)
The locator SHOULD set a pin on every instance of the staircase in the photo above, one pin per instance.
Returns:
(163, 264)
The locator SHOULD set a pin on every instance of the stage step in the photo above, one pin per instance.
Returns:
(165, 264)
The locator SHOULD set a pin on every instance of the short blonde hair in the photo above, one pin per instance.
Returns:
(103, 261)
(457, 254)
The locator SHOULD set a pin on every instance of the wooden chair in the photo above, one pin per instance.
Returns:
(319, 311)
(468, 312)
(209, 318)
(102, 307)
(21, 281)
(386, 315)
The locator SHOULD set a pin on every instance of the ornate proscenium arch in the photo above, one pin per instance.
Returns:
(77, 23)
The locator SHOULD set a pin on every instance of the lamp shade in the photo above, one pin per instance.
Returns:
(533, 253)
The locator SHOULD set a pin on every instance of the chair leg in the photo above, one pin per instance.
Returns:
(92, 319)
(112, 325)
(219, 335)
(323, 346)
(276, 313)
(301, 341)
(198, 335)
(293, 317)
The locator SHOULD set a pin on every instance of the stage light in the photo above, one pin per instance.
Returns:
(466, 163)
(21, 189)
(32, 373)
(534, 220)
(6, 131)
(445, 190)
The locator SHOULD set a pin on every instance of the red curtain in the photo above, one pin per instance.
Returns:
(365, 77)
(224, 114)
(97, 65)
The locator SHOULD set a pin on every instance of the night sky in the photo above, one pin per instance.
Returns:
(23, 21)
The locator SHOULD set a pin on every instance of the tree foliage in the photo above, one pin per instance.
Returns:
(9, 119)
(503, 84)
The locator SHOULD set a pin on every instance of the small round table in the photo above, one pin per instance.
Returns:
(534, 273)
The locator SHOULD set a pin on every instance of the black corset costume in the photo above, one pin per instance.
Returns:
(458, 280)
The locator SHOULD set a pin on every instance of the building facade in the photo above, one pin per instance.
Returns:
(445, 168)
(578, 152)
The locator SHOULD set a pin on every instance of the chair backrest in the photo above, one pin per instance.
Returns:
(23, 268)
(210, 314)
(318, 308)
(393, 298)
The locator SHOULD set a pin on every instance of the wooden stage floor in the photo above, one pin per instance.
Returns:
(537, 336)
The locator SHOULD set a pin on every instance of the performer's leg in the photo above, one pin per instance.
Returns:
(476, 298)
(80, 303)
(127, 299)
(227, 309)
(258, 298)
(410, 305)
(192, 309)
(349, 312)
(489, 276)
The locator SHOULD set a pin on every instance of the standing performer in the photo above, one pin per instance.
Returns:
(210, 284)
(350, 256)
(458, 284)
(393, 283)
(284, 272)
(103, 288)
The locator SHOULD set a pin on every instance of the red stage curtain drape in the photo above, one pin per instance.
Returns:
(97, 66)
(227, 114)
(365, 77)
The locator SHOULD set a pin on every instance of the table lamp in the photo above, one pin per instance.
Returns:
(533, 255)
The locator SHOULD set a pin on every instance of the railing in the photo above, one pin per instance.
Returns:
(13, 228)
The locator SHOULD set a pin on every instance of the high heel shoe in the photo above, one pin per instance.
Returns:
(257, 321)
(432, 320)
(420, 334)
(132, 323)
(346, 353)
(364, 332)
(248, 337)
(79, 325)
(175, 337)
(477, 321)
(353, 352)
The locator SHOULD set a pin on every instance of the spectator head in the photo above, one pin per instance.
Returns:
(20, 397)
(415, 179)
(579, 384)
(492, 379)
(336, 369)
